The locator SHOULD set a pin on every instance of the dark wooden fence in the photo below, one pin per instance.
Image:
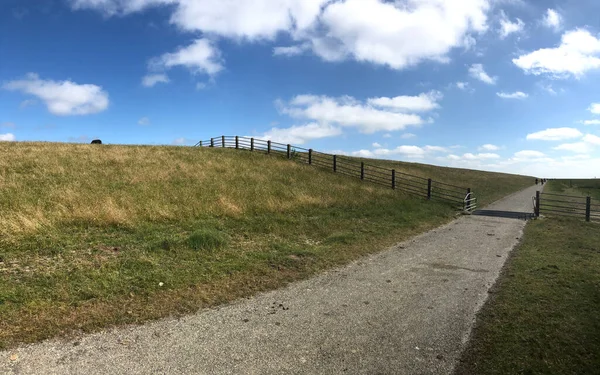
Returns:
(459, 197)
(566, 205)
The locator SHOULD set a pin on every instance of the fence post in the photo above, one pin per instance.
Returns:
(251, 144)
(268, 147)
(223, 140)
(310, 156)
(212, 142)
(334, 163)
(468, 200)
(537, 204)
(289, 151)
(362, 170)
(588, 204)
(429, 188)
(393, 179)
(237, 142)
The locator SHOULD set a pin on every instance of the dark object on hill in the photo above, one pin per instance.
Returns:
(96, 142)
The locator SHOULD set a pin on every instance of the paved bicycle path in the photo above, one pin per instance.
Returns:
(407, 310)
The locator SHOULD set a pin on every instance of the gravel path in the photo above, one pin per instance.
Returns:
(407, 310)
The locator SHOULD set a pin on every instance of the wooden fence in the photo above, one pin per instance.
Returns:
(566, 205)
(459, 197)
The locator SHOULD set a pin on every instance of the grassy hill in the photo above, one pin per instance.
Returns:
(92, 236)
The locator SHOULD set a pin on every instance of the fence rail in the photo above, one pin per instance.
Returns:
(459, 197)
(566, 205)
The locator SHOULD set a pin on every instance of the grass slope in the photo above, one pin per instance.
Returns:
(92, 236)
(543, 315)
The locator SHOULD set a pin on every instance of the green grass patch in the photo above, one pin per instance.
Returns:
(207, 239)
(92, 237)
(542, 317)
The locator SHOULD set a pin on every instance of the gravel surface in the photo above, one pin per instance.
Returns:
(407, 310)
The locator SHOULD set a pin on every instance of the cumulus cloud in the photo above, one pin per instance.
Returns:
(591, 122)
(394, 34)
(476, 71)
(379, 114)
(144, 121)
(62, 98)
(407, 151)
(577, 147)
(552, 19)
(150, 80)
(529, 154)
(199, 57)
(489, 147)
(8, 137)
(407, 135)
(555, 134)
(462, 85)
(513, 95)
(595, 108)
(576, 54)
(507, 27)
(301, 134)
(377, 145)
(421, 103)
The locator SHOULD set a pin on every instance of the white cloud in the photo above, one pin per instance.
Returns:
(200, 57)
(62, 98)
(591, 139)
(595, 108)
(528, 154)
(422, 103)
(144, 121)
(290, 50)
(555, 134)
(578, 147)
(414, 152)
(150, 80)
(201, 86)
(348, 112)
(462, 85)
(396, 34)
(514, 95)
(548, 88)
(435, 149)
(476, 71)
(300, 134)
(586, 146)
(577, 54)
(507, 27)
(489, 147)
(591, 122)
(388, 135)
(8, 137)
(376, 145)
(553, 19)
(408, 135)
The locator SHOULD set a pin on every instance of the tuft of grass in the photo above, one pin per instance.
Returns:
(207, 239)
(542, 316)
(97, 236)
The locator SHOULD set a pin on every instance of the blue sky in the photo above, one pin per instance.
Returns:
(503, 85)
